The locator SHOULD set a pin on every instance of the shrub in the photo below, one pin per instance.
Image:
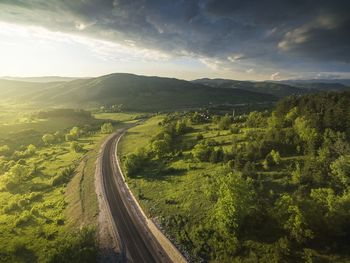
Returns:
(225, 122)
(76, 247)
(234, 129)
(134, 162)
(199, 137)
(76, 147)
(63, 177)
(107, 128)
(4, 150)
(202, 152)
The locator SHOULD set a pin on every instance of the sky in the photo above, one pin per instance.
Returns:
(188, 39)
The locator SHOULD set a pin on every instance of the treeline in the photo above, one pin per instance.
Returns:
(72, 113)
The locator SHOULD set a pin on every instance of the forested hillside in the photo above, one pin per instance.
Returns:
(133, 91)
(147, 93)
(262, 187)
(279, 89)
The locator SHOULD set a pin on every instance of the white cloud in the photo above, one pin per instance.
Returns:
(235, 57)
(275, 76)
(302, 34)
(213, 64)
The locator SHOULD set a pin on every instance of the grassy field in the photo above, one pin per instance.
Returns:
(179, 188)
(42, 208)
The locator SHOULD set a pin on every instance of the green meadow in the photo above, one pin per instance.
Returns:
(48, 206)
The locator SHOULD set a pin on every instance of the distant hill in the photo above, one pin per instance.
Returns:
(145, 93)
(275, 89)
(322, 85)
(44, 79)
(11, 89)
(135, 93)
(345, 82)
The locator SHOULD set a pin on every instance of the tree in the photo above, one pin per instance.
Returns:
(202, 152)
(58, 136)
(236, 201)
(74, 134)
(18, 173)
(160, 147)
(199, 137)
(48, 139)
(134, 162)
(107, 128)
(31, 149)
(76, 147)
(292, 219)
(225, 122)
(4, 150)
(181, 127)
(341, 170)
(306, 133)
(256, 119)
(275, 157)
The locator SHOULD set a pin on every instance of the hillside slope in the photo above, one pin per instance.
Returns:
(279, 89)
(13, 89)
(142, 93)
(276, 89)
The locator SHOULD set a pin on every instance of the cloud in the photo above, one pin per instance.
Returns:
(237, 57)
(267, 35)
(326, 38)
(275, 76)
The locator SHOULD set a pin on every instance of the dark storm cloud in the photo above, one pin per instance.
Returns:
(271, 32)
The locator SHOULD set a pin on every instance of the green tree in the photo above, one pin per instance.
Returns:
(48, 139)
(236, 201)
(275, 157)
(18, 174)
(181, 127)
(225, 122)
(76, 147)
(256, 119)
(107, 128)
(134, 162)
(340, 169)
(74, 134)
(31, 149)
(4, 150)
(202, 152)
(306, 133)
(292, 219)
(160, 147)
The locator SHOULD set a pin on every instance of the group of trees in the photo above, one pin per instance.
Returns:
(113, 108)
(162, 144)
(286, 180)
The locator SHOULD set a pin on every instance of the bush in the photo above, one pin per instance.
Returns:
(107, 128)
(199, 137)
(225, 122)
(234, 129)
(48, 139)
(134, 162)
(202, 152)
(63, 177)
(76, 147)
(76, 247)
(12, 206)
(23, 218)
(4, 150)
